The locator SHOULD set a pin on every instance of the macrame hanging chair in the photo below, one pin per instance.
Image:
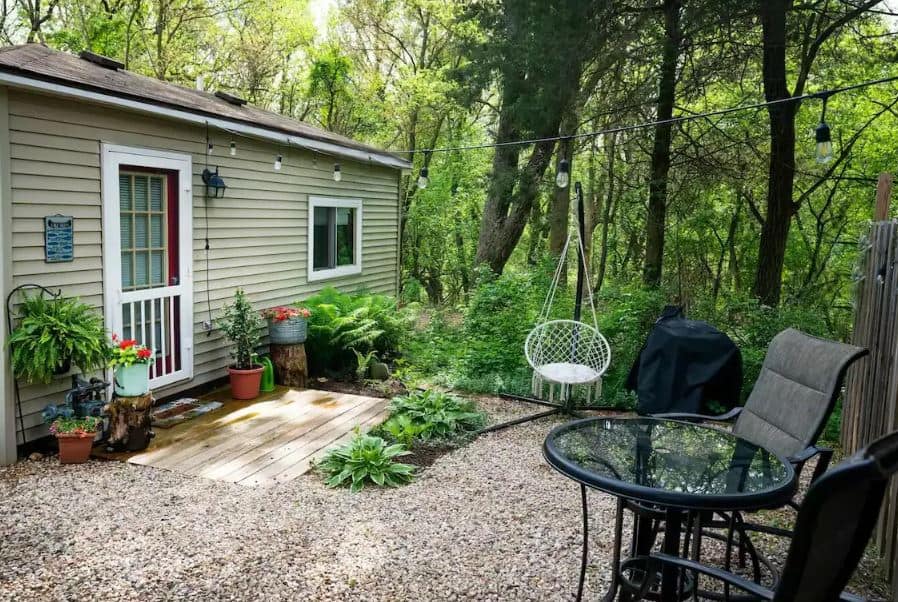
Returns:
(567, 353)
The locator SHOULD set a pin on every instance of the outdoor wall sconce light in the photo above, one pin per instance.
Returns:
(215, 184)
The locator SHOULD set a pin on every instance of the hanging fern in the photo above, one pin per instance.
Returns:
(53, 332)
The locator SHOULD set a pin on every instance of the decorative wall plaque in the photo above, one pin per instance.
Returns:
(59, 240)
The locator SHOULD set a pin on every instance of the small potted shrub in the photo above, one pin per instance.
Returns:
(241, 324)
(75, 437)
(287, 325)
(132, 367)
(53, 335)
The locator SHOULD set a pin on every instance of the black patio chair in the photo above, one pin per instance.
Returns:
(834, 524)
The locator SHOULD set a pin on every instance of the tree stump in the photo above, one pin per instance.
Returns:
(129, 423)
(290, 365)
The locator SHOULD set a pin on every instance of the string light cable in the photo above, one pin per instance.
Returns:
(823, 138)
(824, 94)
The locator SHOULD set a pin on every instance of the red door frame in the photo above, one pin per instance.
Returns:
(174, 253)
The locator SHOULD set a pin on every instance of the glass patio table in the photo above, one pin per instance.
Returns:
(669, 468)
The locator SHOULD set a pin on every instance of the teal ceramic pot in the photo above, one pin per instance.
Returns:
(132, 381)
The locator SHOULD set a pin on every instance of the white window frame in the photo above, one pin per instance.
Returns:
(343, 270)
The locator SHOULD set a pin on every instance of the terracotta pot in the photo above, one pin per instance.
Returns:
(75, 448)
(245, 383)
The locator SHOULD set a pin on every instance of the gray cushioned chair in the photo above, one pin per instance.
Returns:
(786, 412)
(793, 397)
(834, 524)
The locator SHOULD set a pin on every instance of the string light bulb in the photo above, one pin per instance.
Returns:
(423, 180)
(278, 162)
(338, 175)
(233, 148)
(563, 178)
(423, 175)
(824, 143)
(209, 148)
(824, 149)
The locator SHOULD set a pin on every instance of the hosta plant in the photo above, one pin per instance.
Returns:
(366, 459)
(437, 415)
(402, 429)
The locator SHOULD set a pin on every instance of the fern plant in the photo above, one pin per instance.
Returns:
(53, 333)
(364, 460)
(343, 324)
(363, 362)
(437, 415)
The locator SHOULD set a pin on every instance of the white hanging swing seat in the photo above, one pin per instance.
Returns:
(567, 352)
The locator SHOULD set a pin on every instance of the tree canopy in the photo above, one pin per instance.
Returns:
(728, 205)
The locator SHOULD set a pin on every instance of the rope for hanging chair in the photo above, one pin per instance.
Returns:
(567, 351)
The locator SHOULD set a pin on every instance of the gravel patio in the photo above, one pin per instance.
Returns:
(489, 521)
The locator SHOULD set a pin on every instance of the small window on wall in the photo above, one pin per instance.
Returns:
(335, 237)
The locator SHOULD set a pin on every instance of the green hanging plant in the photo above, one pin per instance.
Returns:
(53, 334)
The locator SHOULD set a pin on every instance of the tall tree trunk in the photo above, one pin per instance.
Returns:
(667, 83)
(592, 212)
(538, 232)
(611, 151)
(560, 203)
(781, 167)
(510, 196)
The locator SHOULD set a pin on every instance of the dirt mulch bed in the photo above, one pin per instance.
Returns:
(386, 389)
(425, 455)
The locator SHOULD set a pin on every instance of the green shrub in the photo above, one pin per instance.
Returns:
(344, 324)
(752, 326)
(502, 311)
(625, 317)
(53, 332)
(434, 347)
(242, 325)
(435, 415)
(364, 460)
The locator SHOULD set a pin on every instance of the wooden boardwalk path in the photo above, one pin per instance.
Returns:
(260, 443)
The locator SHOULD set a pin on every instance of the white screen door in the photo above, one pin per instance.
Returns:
(147, 255)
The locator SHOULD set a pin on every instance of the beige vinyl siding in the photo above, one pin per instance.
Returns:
(257, 232)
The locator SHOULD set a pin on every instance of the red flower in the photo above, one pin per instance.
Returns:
(144, 353)
(115, 338)
(127, 344)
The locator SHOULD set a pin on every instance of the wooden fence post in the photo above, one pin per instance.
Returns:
(870, 407)
(883, 194)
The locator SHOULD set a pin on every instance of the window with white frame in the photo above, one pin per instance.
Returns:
(335, 237)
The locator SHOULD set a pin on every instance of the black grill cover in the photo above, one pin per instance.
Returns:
(683, 365)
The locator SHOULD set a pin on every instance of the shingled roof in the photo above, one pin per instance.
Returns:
(39, 62)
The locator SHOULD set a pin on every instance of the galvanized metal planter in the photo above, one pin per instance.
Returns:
(288, 332)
